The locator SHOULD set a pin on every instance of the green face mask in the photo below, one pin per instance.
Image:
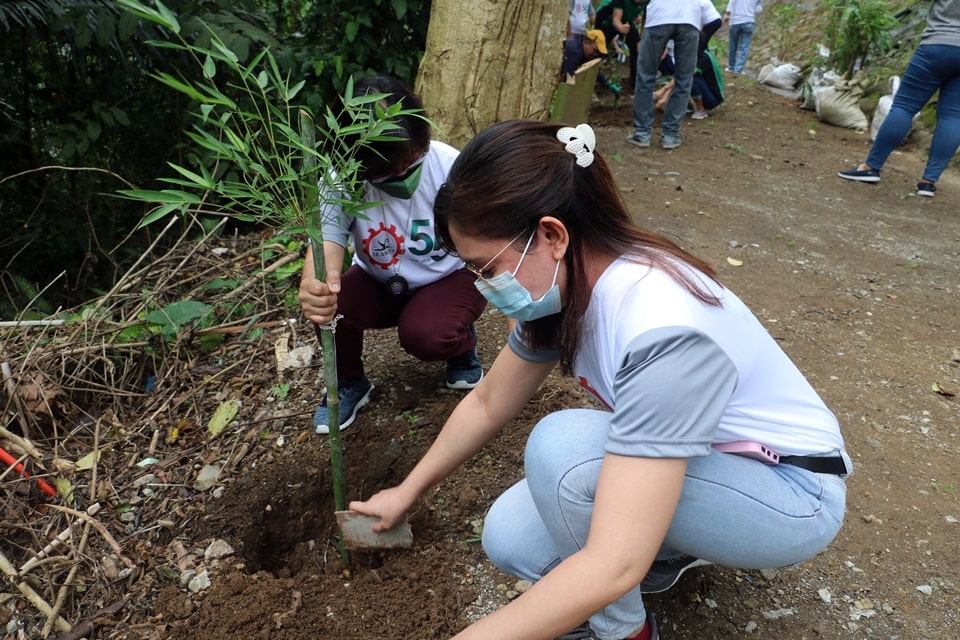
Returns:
(402, 188)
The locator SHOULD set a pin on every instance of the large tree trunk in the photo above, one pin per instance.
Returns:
(488, 61)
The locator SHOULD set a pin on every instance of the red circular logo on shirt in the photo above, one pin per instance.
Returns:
(384, 246)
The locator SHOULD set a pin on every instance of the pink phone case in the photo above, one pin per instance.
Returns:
(750, 449)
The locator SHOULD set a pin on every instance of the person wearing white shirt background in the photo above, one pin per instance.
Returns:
(666, 20)
(581, 17)
(741, 16)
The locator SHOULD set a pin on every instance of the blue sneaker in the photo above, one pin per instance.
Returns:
(865, 175)
(464, 371)
(638, 140)
(352, 396)
(668, 142)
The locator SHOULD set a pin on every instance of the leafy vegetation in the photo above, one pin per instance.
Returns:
(80, 117)
(856, 29)
(264, 165)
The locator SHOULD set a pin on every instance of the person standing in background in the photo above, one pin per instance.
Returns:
(710, 23)
(677, 20)
(741, 16)
(581, 17)
(622, 19)
(935, 66)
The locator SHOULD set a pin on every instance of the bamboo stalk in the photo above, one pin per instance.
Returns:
(329, 346)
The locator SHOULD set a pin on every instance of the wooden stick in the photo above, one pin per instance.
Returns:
(65, 587)
(62, 537)
(32, 596)
(31, 323)
(23, 443)
(11, 388)
(102, 530)
(228, 330)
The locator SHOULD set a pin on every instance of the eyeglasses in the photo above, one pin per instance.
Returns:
(480, 271)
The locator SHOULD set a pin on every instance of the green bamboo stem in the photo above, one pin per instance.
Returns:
(327, 342)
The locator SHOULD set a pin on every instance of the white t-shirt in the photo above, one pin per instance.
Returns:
(708, 13)
(680, 375)
(673, 12)
(399, 237)
(744, 11)
(580, 12)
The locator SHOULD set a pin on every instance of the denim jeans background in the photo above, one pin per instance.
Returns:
(654, 40)
(741, 37)
(733, 511)
(933, 67)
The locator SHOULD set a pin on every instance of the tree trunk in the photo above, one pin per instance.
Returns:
(487, 61)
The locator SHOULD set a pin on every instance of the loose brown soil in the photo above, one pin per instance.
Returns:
(858, 283)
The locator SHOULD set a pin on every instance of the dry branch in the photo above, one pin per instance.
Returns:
(69, 375)
(32, 596)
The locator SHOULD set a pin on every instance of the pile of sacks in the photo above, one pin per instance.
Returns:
(835, 99)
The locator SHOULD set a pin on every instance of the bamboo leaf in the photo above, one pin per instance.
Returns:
(201, 181)
(182, 87)
(169, 196)
(209, 67)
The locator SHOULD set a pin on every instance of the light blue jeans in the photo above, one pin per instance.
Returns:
(654, 40)
(741, 37)
(733, 511)
(933, 67)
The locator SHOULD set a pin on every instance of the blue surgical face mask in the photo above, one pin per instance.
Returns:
(509, 296)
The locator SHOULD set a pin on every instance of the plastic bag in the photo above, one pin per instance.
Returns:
(814, 81)
(883, 107)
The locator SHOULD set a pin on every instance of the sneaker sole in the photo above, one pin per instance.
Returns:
(676, 578)
(867, 179)
(463, 385)
(926, 194)
(324, 429)
(670, 145)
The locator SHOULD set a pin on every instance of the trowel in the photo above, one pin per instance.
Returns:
(358, 536)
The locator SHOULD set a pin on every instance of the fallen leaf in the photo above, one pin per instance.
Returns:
(226, 412)
(938, 389)
(86, 462)
(64, 488)
(734, 262)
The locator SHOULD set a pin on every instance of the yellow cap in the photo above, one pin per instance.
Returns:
(599, 39)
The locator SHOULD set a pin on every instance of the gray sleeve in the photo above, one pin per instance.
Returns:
(672, 388)
(522, 349)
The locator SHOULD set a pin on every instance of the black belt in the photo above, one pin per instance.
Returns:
(817, 464)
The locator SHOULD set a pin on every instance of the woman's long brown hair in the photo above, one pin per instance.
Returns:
(514, 173)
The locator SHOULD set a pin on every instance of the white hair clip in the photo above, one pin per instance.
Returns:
(580, 142)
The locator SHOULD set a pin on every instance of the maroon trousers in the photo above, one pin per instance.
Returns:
(433, 322)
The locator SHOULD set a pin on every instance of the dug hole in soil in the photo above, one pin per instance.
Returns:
(858, 283)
